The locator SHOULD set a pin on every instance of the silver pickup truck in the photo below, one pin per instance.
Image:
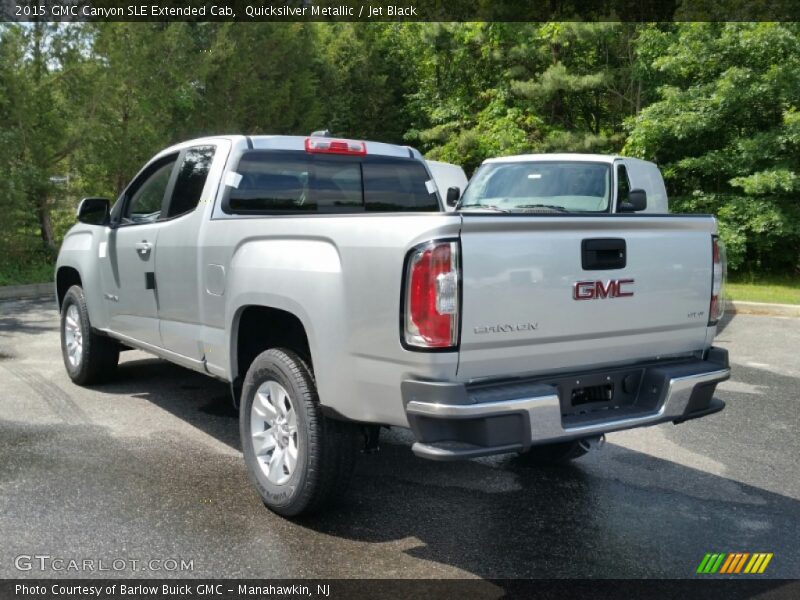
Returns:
(322, 278)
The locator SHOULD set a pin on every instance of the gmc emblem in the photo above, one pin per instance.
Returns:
(595, 290)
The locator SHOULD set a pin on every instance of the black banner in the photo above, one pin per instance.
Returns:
(400, 10)
(229, 589)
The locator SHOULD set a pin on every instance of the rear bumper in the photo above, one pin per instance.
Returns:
(455, 420)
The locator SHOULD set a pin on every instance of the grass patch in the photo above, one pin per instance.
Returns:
(39, 271)
(778, 289)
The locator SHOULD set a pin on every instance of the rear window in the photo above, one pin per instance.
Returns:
(392, 185)
(273, 182)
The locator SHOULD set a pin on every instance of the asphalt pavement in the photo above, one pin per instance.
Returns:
(148, 470)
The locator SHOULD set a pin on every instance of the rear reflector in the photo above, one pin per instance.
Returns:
(432, 296)
(320, 145)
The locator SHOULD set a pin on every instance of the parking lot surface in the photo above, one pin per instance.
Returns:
(148, 468)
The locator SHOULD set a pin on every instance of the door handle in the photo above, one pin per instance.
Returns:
(143, 247)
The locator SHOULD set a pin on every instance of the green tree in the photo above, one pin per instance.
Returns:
(460, 105)
(364, 73)
(147, 93)
(714, 104)
(725, 131)
(500, 88)
(262, 78)
(581, 79)
(44, 75)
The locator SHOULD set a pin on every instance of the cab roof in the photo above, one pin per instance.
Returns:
(295, 142)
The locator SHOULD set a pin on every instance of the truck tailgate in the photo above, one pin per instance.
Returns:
(522, 313)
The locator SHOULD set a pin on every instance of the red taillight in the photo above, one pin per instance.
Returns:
(320, 145)
(432, 298)
(718, 266)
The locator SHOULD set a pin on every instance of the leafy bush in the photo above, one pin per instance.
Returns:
(760, 234)
(726, 132)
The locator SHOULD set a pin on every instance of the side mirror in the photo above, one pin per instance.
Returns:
(637, 200)
(453, 194)
(94, 211)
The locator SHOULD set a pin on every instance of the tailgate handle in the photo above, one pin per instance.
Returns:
(601, 254)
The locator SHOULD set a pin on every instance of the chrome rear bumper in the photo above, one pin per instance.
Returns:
(454, 421)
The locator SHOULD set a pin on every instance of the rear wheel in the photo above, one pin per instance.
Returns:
(298, 459)
(88, 357)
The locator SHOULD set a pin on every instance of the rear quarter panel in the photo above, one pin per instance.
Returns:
(341, 276)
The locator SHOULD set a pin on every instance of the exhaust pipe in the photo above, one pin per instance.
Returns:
(593, 443)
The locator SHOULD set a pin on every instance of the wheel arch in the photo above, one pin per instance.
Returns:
(259, 327)
(66, 277)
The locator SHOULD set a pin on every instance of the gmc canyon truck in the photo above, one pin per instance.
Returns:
(323, 280)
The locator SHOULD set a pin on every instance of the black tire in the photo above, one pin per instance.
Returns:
(99, 354)
(325, 449)
(553, 454)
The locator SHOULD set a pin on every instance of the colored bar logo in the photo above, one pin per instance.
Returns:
(733, 563)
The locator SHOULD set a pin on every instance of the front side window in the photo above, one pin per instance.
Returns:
(146, 198)
(190, 180)
(563, 186)
(298, 182)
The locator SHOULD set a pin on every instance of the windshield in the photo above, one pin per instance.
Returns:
(558, 186)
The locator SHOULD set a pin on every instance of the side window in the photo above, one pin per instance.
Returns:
(623, 184)
(395, 185)
(145, 203)
(190, 181)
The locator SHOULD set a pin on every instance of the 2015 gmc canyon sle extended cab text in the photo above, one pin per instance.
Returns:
(324, 281)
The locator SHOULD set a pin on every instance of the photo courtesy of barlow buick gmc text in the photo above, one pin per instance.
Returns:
(367, 299)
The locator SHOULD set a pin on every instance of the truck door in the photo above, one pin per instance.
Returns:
(177, 267)
(128, 274)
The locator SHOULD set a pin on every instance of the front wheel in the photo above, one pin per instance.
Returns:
(88, 357)
(298, 459)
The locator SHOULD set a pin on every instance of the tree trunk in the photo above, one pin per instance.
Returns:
(639, 97)
(45, 225)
